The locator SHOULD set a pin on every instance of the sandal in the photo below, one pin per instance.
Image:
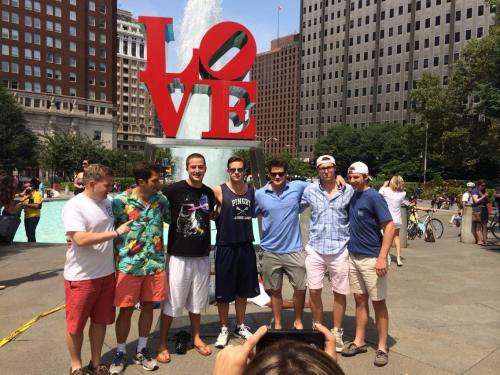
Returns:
(181, 340)
(351, 349)
(163, 356)
(204, 350)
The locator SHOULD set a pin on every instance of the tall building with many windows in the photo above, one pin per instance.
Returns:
(277, 75)
(135, 112)
(360, 59)
(58, 58)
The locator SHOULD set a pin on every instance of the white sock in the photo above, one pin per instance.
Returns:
(143, 342)
(223, 328)
(121, 348)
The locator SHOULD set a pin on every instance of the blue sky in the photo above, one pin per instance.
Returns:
(259, 16)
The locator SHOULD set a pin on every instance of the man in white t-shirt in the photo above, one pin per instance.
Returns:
(89, 271)
(467, 196)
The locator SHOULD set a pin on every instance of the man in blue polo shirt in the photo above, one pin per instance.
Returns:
(279, 203)
(368, 249)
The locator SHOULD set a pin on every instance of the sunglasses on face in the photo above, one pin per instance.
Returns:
(276, 174)
(234, 170)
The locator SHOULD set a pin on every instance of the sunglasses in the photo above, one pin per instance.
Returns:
(234, 170)
(276, 174)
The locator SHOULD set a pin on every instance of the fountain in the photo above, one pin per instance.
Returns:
(199, 16)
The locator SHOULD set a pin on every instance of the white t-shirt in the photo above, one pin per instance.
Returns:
(82, 214)
(467, 198)
(394, 200)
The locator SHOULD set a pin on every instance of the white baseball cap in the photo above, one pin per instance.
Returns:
(470, 184)
(359, 167)
(325, 159)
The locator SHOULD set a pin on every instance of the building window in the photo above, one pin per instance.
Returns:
(92, 6)
(97, 135)
(72, 15)
(57, 11)
(72, 46)
(72, 31)
(72, 91)
(5, 66)
(72, 61)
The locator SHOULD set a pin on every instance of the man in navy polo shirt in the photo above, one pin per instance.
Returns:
(279, 203)
(368, 249)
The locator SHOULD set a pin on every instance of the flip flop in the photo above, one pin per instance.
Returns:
(203, 350)
(163, 356)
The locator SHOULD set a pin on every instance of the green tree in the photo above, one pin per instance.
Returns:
(19, 144)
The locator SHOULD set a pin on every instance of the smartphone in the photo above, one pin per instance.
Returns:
(307, 336)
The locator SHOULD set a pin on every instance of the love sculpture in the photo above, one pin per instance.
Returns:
(199, 76)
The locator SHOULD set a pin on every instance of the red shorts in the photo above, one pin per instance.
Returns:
(131, 289)
(89, 298)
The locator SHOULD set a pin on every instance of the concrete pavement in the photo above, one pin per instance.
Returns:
(444, 308)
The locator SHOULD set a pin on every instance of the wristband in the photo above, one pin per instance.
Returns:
(117, 234)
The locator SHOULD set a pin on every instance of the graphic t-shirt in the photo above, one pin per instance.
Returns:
(140, 251)
(367, 212)
(189, 232)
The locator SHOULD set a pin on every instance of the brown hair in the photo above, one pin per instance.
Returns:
(397, 183)
(7, 188)
(232, 159)
(96, 172)
(292, 358)
(143, 171)
(195, 156)
(277, 163)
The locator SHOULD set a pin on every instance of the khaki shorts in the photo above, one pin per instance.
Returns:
(364, 280)
(275, 265)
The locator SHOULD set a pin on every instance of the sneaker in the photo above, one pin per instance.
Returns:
(119, 362)
(78, 371)
(339, 343)
(243, 331)
(222, 339)
(2, 287)
(381, 358)
(144, 358)
(100, 369)
(399, 262)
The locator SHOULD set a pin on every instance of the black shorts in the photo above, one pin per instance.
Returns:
(235, 272)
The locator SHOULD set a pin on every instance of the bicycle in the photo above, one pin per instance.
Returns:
(419, 226)
(494, 225)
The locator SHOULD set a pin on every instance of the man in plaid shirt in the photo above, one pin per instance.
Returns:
(327, 245)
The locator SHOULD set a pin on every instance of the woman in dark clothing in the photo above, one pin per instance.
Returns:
(479, 205)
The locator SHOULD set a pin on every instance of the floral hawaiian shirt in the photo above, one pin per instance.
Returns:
(140, 251)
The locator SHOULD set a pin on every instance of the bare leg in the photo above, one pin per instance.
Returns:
(361, 317)
(299, 297)
(316, 305)
(96, 336)
(339, 306)
(382, 321)
(241, 307)
(74, 343)
(485, 232)
(276, 305)
(122, 326)
(165, 323)
(223, 309)
(198, 343)
(479, 233)
(145, 319)
(397, 243)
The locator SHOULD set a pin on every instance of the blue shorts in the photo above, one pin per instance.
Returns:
(235, 272)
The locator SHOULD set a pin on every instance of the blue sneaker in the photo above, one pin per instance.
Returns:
(119, 362)
(144, 358)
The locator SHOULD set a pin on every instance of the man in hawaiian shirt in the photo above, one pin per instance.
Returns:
(140, 261)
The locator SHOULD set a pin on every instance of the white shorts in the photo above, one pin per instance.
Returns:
(189, 283)
(337, 266)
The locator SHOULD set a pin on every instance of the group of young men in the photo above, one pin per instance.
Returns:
(116, 255)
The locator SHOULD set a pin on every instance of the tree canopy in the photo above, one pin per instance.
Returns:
(19, 144)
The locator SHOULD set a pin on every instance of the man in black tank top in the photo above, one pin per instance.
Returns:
(235, 260)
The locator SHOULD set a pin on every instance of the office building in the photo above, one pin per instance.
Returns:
(360, 59)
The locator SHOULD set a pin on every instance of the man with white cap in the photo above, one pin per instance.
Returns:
(467, 196)
(327, 245)
(368, 249)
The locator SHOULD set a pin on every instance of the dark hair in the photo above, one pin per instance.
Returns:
(277, 163)
(195, 156)
(481, 182)
(232, 159)
(287, 357)
(143, 171)
(7, 188)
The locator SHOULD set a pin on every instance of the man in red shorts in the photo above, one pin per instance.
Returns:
(140, 261)
(89, 272)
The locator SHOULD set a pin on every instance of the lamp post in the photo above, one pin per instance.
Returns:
(425, 152)
(264, 141)
(125, 165)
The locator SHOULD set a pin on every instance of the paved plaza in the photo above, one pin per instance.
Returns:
(444, 308)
